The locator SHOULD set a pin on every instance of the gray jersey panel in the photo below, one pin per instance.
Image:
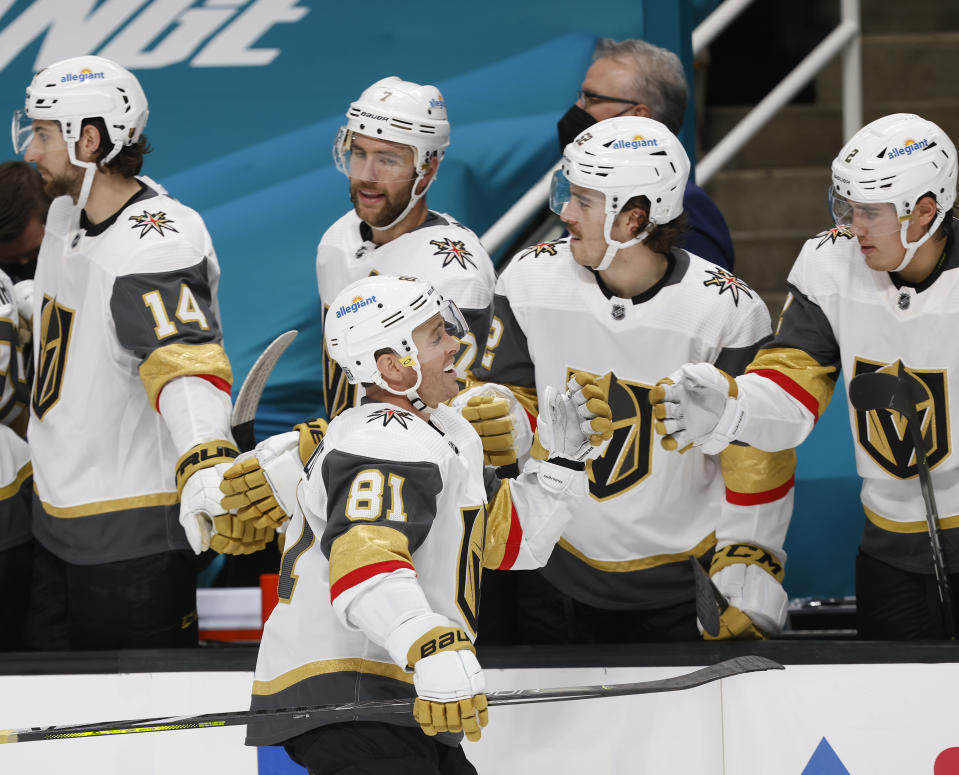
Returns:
(511, 364)
(422, 482)
(136, 320)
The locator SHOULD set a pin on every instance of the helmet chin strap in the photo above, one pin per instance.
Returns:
(613, 247)
(410, 394)
(89, 171)
(414, 198)
(912, 247)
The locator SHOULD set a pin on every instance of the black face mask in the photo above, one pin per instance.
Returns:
(17, 271)
(574, 121)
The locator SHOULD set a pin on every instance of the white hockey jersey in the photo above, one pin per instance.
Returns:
(440, 251)
(649, 510)
(122, 308)
(843, 316)
(15, 466)
(385, 493)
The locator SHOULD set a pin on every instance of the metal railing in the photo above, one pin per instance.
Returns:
(844, 38)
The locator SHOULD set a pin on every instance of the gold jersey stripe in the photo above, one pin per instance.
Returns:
(327, 666)
(801, 368)
(106, 507)
(890, 526)
(498, 522)
(644, 563)
(750, 470)
(183, 360)
(14, 487)
(364, 545)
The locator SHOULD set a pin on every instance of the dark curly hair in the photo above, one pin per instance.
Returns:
(129, 161)
(663, 237)
(21, 198)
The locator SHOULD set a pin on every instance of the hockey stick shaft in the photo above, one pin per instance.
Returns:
(933, 525)
(379, 709)
(875, 390)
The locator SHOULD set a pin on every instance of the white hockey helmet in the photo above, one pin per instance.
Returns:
(895, 160)
(80, 88)
(380, 312)
(401, 112)
(625, 157)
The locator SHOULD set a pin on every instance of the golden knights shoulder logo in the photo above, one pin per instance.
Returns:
(727, 283)
(152, 222)
(452, 250)
(390, 415)
(627, 460)
(540, 249)
(56, 325)
(883, 433)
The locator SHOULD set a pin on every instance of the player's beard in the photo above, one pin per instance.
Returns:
(389, 208)
(67, 184)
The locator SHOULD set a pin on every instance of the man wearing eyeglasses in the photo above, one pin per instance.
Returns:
(636, 78)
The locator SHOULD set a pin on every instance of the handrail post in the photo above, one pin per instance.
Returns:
(851, 72)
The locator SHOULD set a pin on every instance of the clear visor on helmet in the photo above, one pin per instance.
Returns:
(46, 135)
(874, 219)
(558, 192)
(376, 161)
(453, 320)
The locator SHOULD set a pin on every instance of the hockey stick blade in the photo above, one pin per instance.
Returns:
(874, 390)
(882, 390)
(379, 709)
(710, 602)
(248, 399)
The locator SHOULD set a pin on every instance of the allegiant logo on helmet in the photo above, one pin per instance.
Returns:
(637, 142)
(908, 148)
(84, 75)
(358, 302)
(435, 103)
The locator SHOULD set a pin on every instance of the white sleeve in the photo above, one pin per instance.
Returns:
(195, 411)
(527, 515)
(391, 610)
(772, 420)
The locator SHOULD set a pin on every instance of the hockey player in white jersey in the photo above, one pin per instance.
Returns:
(379, 586)
(877, 292)
(617, 295)
(130, 405)
(390, 149)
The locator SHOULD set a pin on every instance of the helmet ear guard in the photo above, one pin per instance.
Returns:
(626, 157)
(898, 159)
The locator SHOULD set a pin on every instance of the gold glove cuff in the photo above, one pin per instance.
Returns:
(209, 453)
